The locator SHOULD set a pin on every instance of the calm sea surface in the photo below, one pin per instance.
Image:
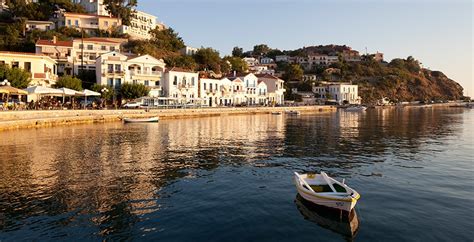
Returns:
(230, 178)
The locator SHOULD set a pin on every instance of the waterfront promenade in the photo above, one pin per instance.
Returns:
(46, 118)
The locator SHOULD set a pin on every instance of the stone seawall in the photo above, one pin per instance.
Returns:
(35, 119)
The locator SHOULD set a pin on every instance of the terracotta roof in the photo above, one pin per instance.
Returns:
(23, 53)
(58, 43)
(103, 40)
(92, 15)
(267, 76)
(179, 69)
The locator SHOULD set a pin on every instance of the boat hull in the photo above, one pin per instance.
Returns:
(147, 120)
(325, 201)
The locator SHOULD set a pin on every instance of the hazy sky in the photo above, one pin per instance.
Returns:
(439, 33)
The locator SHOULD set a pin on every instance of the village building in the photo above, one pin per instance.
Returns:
(42, 68)
(141, 24)
(87, 50)
(275, 89)
(210, 92)
(181, 85)
(114, 69)
(60, 51)
(262, 90)
(251, 61)
(89, 23)
(188, 50)
(31, 25)
(238, 91)
(340, 93)
(281, 58)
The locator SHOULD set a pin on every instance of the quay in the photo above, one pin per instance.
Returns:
(10, 120)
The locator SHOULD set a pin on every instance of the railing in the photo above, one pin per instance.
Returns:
(119, 72)
(144, 73)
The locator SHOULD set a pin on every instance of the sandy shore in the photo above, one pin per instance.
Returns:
(36, 119)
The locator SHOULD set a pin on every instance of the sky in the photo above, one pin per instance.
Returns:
(438, 33)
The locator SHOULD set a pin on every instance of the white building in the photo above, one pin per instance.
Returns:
(275, 89)
(182, 85)
(93, 6)
(251, 61)
(210, 91)
(114, 69)
(281, 58)
(141, 24)
(262, 91)
(31, 25)
(60, 51)
(239, 91)
(226, 92)
(42, 68)
(89, 23)
(340, 93)
(188, 50)
(266, 60)
(86, 51)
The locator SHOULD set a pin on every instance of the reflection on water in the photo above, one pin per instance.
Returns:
(115, 181)
(346, 224)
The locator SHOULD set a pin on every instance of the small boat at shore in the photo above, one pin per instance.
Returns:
(356, 109)
(141, 120)
(326, 191)
(292, 112)
(276, 113)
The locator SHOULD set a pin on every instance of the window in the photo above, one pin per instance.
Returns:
(106, 23)
(90, 47)
(81, 46)
(192, 81)
(135, 82)
(147, 83)
(175, 80)
(112, 48)
(76, 22)
(117, 67)
(118, 82)
(68, 22)
(157, 83)
(92, 57)
(103, 47)
(15, 64)
(205, 86)
(110, 82)
(28, 66)
(110, 68)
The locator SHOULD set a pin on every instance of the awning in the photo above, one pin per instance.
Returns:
(40, 90)
(12, 90)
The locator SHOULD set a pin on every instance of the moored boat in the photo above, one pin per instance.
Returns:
(141, 120)
(326, 191)
(356, 108)
(276, 113)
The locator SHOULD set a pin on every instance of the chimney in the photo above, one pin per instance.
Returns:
(235, 73)
(55, 39)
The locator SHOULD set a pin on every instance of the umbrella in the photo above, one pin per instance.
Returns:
(40, 90)
(88, 93)
(12, 90)
(68, 92)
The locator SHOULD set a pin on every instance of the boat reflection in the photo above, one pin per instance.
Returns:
(346, 224)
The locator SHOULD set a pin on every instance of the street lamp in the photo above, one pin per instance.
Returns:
(104, 91)
(5, 82)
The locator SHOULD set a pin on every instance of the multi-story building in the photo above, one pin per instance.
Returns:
(351, 55)
(226, 92)
(275, 89)
(140, 25)
(114, 69)
(31, 25)
(266, 60)
(251, 61)
(85, 51)
(262, 91)
(250, 82)
(281, 58)
(188, 50)
(341, 93)
(60, 51)
(239, 91)
(42, 68)
(89, 23)
(182, 85)
(210, 90)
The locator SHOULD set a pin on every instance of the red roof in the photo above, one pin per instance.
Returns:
(50, 42)
(179, 69)
(93, 15)
(104, 40)
(267, 76)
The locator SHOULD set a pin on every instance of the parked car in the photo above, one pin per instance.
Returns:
(132, 105)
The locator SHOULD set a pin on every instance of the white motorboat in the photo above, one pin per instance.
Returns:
(356, 108)
(276, 113)
(326, 191)
(141, 120)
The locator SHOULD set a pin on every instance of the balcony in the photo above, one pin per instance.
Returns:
(139, 73)
(112, 72)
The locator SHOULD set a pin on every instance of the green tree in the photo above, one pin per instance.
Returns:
(273, 53)
(132, 91)
(17, 77)
(261, 49)
(122, 9)
(183, 61)
(106, 92)
(237, 52)
(166, 39)
(208, 59)
(69, 82)
(293, 72)
(237, 64)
